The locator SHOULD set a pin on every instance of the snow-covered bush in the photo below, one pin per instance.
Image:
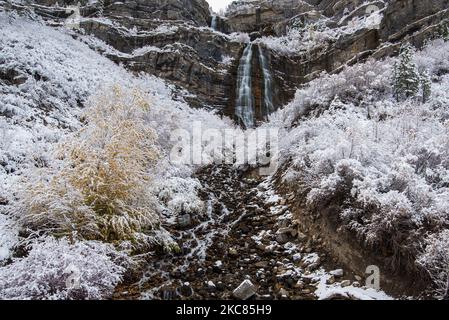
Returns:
(180, 195)
(382, 165)
(58, 269)
(101, 189)
(435, 259)
(317, 36)
(361, 84)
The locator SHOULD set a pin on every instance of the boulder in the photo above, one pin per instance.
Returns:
(245, 290)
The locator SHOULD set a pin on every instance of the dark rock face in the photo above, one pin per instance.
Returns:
(198, 60)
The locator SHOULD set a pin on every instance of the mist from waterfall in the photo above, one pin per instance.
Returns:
(244, 110)
(268, 106)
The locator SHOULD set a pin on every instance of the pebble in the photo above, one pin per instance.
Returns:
(345, 283)
(337, 273)
(261, 264)
(331, 280)
(245, 290)
(301, 236)
(297, 257)
(185, 290)
(283, 293)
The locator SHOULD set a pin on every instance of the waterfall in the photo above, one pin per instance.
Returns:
(213, 24)
(268, 106)
(244, 110)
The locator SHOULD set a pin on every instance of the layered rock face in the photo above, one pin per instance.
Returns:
(173, 39)
(263, 15)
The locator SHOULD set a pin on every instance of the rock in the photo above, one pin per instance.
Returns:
(331, 280)
(301, 236)
(185, 290)
(3, 201)
(282, 238)
(211, 287)
(283, 235)
(261, 264)
(221, 286)
(184, 221)
(299, 285)
(297, 257)
(358, 278)
(306, 291)
(294, 233)
(245, 290)
(338, 273)
(283, 293)
(356, 284)
(345, 283)
(233, 252)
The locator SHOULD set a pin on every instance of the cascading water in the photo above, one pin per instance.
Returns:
(244, 110)
(268, 106)
(213, 24)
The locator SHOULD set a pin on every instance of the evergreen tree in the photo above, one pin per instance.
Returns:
(406, 79)
(426, 86)
(443, 31)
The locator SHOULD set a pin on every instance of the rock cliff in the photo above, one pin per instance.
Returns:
(173, 39)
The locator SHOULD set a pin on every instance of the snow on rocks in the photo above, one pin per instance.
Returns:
(245, 290)
(337, 273)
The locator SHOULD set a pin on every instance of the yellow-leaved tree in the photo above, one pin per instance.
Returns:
(100, 190)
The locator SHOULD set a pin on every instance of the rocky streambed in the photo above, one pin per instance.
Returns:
(247, 246)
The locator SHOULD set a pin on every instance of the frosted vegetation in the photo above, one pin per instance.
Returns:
(317, 35)
(85, 176)
(381, 163)
(84, 158)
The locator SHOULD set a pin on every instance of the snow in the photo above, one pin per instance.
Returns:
(63, 76)
(317, 35)
(45, 272)
(326, 292)
(8, 237)
(347, 134)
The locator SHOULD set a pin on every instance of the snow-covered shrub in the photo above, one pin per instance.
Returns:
(180, 196)
(8, 237)
(58, 269)
(435, 259)
(101, 189)
(360, 84)
(381, 165)
(239, 37)
(317, 36)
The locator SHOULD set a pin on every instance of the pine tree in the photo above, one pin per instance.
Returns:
(406, 79)
(426, 86)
